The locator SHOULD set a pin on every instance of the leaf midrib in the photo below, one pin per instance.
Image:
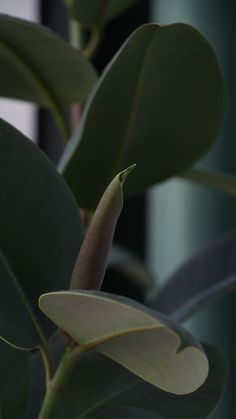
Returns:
(108, 338)
(135, 105)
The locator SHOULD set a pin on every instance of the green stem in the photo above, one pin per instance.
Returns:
(217, 180)
(94, 42)
(55, 387)
(48, 362)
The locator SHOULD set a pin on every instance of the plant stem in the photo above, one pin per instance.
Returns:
(55, 387)
(94, 42)
(217, 180)
(48, 362)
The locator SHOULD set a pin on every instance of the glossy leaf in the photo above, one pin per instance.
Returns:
(127, 413)
(209, 274)
(38, 66)
(41, 234)
(14, 383)
(98, 384)
(98, 12)
(128, 333)
(91, 263)
(158, 103)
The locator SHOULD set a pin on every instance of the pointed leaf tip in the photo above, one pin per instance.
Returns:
(123, 175)
(91, 263)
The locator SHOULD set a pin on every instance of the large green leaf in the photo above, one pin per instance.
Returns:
(209, 274)
(98, 383)
(98, 12)
(40, 235)
(38, 66)
(159, 104)
(14, 382)
(140, 340)
(91, 263)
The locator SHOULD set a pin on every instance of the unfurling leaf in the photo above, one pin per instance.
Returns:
(143, 341)
(91, 264)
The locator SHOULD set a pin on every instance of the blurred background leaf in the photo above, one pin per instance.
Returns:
(209, 274)
(98, 12)
(40, 67)
(14, 383)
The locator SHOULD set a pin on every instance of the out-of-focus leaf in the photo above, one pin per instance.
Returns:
(98, 384)
(38, 66)
(91, 263)
(14, 383)
(98, 12)
(215, 179)
(209, 274)
(158, 103)
(126, 413)
(139, 339)
(41, 233)
(127, 275)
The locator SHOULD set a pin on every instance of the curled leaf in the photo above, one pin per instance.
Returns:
(143, 341)
(91, 263)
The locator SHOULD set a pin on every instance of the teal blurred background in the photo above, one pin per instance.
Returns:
(185, 217)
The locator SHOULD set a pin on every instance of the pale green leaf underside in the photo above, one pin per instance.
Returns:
(129, 335)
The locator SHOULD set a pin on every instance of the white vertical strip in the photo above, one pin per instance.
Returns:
(20, 114)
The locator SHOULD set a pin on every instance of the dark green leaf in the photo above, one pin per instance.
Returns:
(139, 339)
(127, 413)
(14, 382)
(98, 12)
(38, 66)
(98, 383)
(91, 263)
(41, 234)
(208, 275)
(159, 104)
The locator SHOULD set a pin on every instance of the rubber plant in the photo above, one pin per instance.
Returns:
(155, 110)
